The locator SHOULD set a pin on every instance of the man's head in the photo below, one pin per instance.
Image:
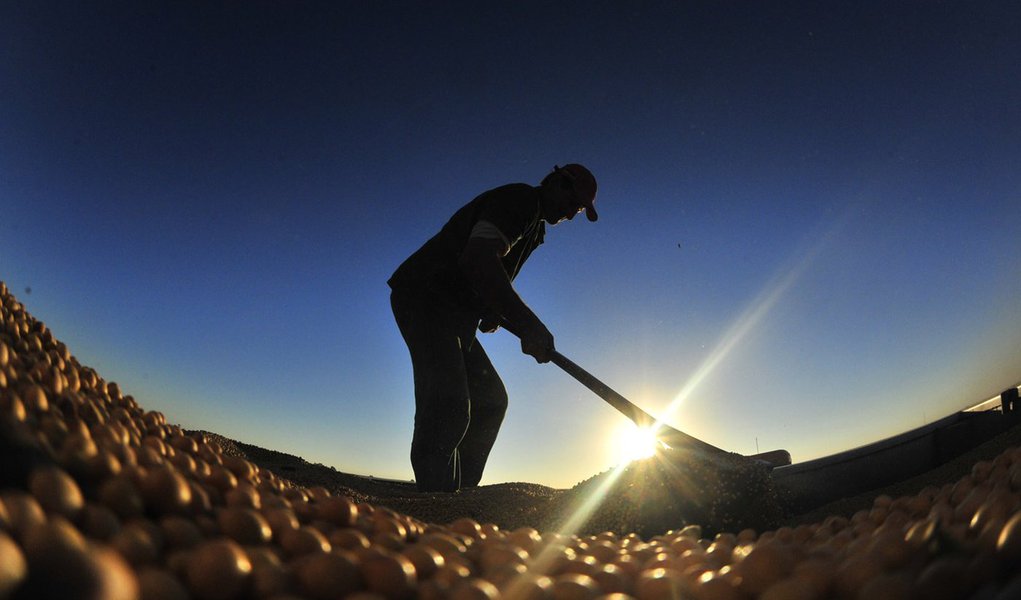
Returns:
(567, 191)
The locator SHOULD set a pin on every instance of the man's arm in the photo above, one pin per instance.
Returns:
(481, 265)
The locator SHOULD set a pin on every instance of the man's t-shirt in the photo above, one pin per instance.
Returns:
(510, 212)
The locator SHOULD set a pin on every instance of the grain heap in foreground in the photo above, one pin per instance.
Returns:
(102, 499)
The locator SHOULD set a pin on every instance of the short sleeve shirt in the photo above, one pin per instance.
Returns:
(513, 209)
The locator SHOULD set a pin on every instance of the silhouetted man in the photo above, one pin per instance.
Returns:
(460, 281)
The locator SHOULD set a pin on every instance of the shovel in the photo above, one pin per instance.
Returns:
(673, 438)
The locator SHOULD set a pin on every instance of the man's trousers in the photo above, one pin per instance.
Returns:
(460, 400)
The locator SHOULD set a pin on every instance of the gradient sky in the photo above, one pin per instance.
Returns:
(809, 234)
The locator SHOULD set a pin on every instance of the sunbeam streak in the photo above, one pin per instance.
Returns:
(580, 513)
(756, 312)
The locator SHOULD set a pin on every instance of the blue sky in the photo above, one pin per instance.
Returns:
(808, 235)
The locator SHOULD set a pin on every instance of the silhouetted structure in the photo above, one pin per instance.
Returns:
(1008, 400)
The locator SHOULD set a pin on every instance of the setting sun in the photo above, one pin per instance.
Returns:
(636, 443)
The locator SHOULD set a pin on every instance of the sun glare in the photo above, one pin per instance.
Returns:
(636, 443)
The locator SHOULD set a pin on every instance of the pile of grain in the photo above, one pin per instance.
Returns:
(102, 499)
(673, 489)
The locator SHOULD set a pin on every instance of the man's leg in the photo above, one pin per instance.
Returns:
(441, 392)
(488, 406)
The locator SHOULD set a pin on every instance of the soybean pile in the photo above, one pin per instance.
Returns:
(103, 499)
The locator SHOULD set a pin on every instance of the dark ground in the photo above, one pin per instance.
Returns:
(513, 505)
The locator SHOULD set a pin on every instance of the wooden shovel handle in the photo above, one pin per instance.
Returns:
(672, 437)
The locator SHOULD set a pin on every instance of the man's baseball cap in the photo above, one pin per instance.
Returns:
(584, 185)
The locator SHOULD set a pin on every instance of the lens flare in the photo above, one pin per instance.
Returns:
(636, 443)
(760, 307)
